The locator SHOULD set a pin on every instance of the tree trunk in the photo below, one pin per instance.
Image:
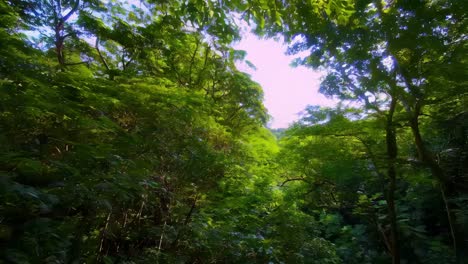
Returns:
(392, 152)
(60, 20)
(447, 189)
(59, 46)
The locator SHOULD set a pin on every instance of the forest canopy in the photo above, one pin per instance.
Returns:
(128, 135)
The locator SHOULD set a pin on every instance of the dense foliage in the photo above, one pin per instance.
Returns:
(127, 135)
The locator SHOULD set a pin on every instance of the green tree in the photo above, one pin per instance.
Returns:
(372, 49)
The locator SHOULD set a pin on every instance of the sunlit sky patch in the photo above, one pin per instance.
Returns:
(287, 90)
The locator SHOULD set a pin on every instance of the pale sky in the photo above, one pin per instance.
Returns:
(287, 90)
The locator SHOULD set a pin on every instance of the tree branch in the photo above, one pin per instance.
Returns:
(293, 179)
(74, 9)
(77, 63)
(100, 54)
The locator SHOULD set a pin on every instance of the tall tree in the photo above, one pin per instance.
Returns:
(395, 49)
